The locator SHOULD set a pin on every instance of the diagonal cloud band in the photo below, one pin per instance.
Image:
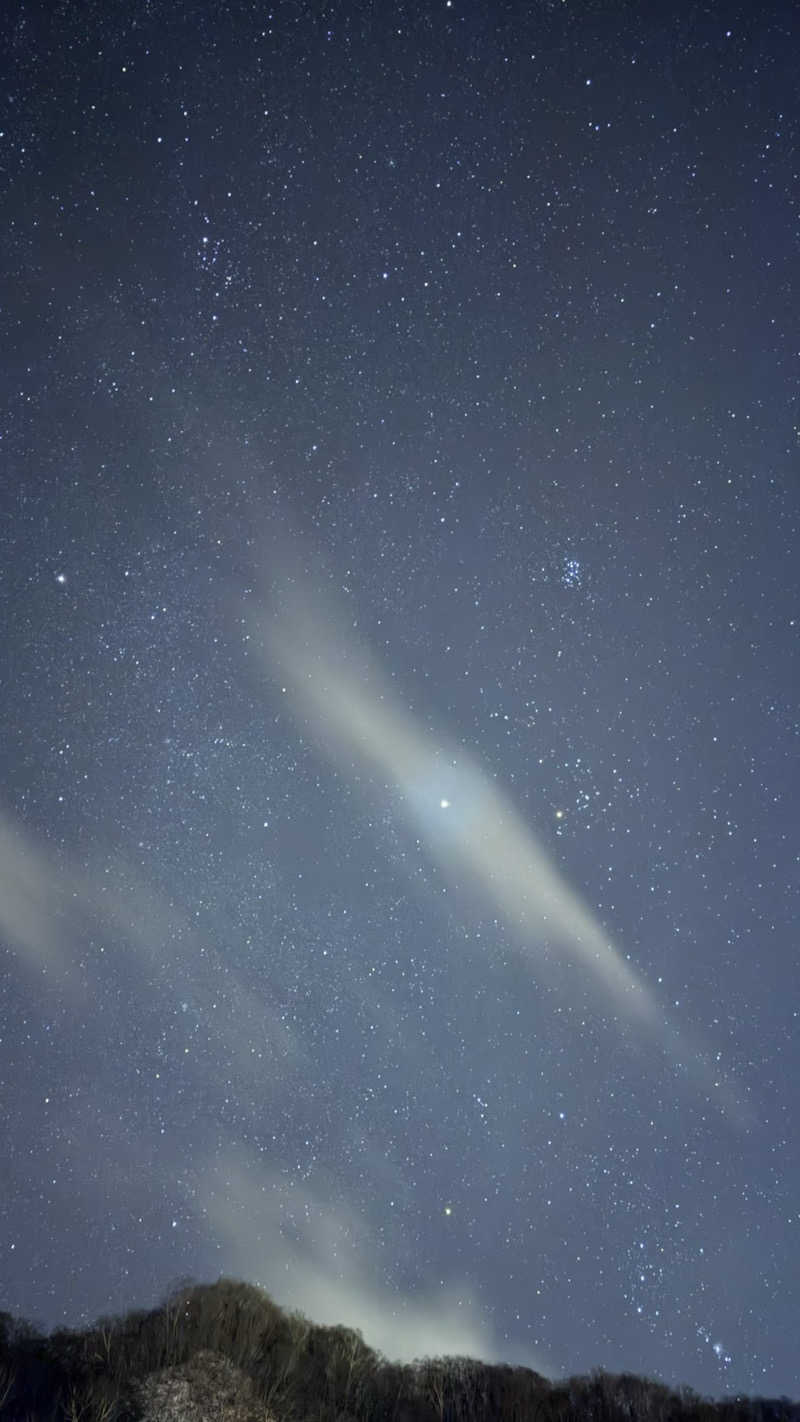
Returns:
(468, 825)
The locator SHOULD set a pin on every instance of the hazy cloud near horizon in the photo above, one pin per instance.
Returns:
(310, 1253)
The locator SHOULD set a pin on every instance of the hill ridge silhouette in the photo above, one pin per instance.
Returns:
(226, 1352)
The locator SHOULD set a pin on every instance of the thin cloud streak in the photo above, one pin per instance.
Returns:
(51, 909)
(469, 826)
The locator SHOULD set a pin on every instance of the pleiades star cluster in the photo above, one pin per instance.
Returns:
(399, 564)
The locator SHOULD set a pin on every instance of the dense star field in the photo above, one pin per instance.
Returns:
(399, 724)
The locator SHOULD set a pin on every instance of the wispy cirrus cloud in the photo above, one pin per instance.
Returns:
(467, 822)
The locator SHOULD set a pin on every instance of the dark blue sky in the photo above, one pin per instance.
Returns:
(399, 729)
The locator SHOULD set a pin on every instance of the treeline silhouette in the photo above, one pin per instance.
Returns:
(293, 1370)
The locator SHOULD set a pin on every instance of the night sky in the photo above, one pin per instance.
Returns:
(399, 516)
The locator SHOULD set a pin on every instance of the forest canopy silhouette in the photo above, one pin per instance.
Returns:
(241, 1357)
